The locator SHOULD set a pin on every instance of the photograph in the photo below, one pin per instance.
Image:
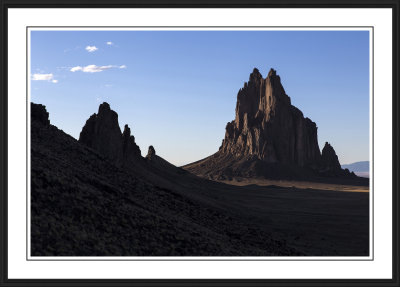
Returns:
(196, 144)
(199, 143)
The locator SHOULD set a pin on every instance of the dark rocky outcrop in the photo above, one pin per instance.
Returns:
(103, 134)
(39, 113)
(269, 137)
(130, 150)
(329, 159)
(151, 153)
(158, 165)
(330, 165)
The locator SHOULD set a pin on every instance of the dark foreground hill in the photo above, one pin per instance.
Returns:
(87, 203)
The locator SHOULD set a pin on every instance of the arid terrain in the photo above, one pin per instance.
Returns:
(298, 184)
(85, 203)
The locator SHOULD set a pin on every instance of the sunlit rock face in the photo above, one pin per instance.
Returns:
(269, 127)
(269, 137)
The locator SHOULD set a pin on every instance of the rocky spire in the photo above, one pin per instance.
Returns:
(130, 150)
(151, 153)
(255, 76)
(267, 126)
(329, 159)
(102, 133)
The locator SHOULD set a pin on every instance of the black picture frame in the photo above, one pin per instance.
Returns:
(6, 4)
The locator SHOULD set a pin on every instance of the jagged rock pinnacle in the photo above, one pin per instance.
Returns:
(102, 133)
(127, 131)
(329, 159)
(271, 73)
(268, 126)
(255, 75)
(151, 153)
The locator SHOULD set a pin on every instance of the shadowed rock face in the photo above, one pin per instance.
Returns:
(130, 150)
(269, 127)
(102, 133)
(151, 153)
(269, 137)
(330, 163)
(39, 114)
(329, 158)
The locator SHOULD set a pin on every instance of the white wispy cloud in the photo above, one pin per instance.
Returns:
(91, 49)
(109, 43)
(44, 77)
(77, 68)
(95, 68)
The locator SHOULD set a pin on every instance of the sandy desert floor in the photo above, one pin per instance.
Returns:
(297, 184)
(315, 218)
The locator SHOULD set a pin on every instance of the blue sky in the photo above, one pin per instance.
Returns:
(177, 89)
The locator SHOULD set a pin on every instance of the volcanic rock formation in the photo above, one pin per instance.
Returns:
(269, 127)
(269, 137)
(102, 133)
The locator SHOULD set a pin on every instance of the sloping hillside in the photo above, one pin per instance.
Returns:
(85, 204)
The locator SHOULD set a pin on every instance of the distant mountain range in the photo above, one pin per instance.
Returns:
(360, 168)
